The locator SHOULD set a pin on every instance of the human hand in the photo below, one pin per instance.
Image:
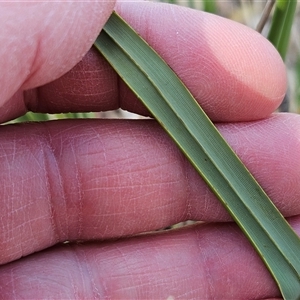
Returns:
(101, 180)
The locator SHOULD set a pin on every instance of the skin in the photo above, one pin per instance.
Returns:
(101, 183)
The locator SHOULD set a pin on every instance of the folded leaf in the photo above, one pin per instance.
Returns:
(173, 106)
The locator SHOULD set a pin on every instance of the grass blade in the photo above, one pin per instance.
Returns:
(282, 21)
(162, 92)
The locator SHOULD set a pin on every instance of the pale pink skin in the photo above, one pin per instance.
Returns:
(103, 179)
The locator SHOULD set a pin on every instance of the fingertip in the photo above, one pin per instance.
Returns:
(46, 39)
(233, 72)
(247, 59)
(65, 38)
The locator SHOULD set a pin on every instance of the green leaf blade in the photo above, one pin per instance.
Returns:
(282, 21)
(180, 115)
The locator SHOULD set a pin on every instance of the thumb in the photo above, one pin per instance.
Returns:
(43, 40)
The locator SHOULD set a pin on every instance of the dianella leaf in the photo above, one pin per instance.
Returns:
(173, 106)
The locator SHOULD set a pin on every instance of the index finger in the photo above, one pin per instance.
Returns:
(234, 73)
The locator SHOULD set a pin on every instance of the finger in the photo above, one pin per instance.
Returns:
(223, 63)
(43, 40)
(213, 261)
(103, 179)
(231, 70)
